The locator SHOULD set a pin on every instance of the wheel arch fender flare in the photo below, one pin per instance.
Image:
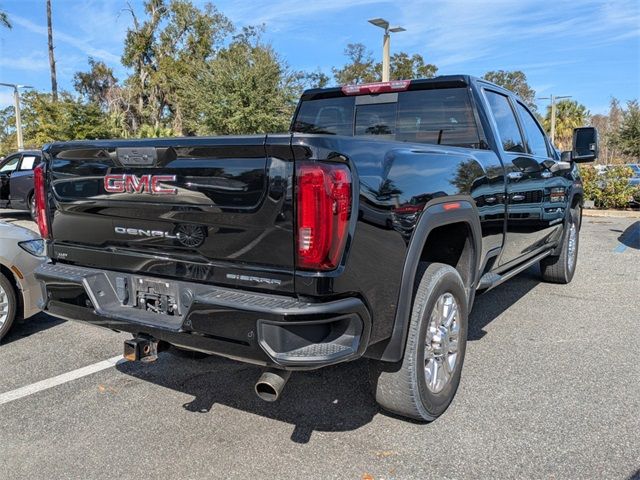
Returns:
(437, 213)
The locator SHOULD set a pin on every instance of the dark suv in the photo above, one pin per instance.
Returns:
(16, 180)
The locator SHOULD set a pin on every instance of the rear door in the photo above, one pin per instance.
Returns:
(7, 167)
(206, 209)
(22, 180)
(524, 149)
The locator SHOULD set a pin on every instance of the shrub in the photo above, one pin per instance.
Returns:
(610, 189)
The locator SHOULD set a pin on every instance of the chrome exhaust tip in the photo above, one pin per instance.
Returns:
(271, 383)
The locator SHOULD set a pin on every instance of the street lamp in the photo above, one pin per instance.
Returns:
(16, 105)
(386, 57)
(553, 99)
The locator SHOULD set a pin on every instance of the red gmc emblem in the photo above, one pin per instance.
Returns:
(129, 183)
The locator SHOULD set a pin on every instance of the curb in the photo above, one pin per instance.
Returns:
(587, 212)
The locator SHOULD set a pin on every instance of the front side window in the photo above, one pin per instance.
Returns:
(441, 116)
(508, 130)
(10, 164)
(535, 138)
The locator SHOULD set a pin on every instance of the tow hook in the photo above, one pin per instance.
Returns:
(141, 349)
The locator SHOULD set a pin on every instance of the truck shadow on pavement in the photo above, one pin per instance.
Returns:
(488, 306)
(25, 328)
(331, 399)
(631, 236)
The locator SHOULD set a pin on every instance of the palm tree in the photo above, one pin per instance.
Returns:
(4, 19)
(569, 115)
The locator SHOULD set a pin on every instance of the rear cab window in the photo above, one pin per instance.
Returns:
(441, 116)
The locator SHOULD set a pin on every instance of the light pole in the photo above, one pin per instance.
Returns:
(16, 105)
(553, 99)
(386, 55)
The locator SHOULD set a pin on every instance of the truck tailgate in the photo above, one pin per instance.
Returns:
(215, 210)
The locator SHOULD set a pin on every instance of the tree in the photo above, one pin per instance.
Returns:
(569, 115)
(52, 61)
(608, 126)
(46, 120)
(8, 142)
(515, 81)
(317, 79)
(97, 84)
(405, 67)
(628, 136)
(4, 20)
(175, 39)
(245, 89)
(360, 69)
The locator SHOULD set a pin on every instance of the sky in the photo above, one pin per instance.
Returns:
(589, 49)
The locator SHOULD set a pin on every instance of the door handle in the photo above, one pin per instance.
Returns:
(514, 175)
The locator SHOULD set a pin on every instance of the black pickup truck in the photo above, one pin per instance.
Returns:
(365, 231)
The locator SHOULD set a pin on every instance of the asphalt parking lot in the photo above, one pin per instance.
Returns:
(550, 389)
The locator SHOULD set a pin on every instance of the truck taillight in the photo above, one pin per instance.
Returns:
(324, 207)
(41, 202)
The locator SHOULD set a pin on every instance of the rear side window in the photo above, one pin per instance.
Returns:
(441, 116)
(535, 138)
(330, 115)
(506, 122)
(29, 161)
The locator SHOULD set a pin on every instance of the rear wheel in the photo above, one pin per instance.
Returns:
(32, 206)
(8, 305)
(423, 385)
(561, 268)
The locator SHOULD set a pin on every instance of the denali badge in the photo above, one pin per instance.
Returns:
(129, 183)
(141, 232)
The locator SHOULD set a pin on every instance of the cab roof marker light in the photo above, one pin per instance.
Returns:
(375, 88)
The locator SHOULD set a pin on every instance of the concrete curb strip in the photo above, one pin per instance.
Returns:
(611, 213)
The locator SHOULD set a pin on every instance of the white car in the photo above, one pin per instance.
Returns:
(21, 251)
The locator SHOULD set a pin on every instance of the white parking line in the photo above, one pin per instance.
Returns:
(27, 390)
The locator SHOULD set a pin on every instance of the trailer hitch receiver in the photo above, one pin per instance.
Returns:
(141, 349)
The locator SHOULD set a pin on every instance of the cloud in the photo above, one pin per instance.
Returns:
(6, 97)
(457, 31)
(34, 62)
(284, 14)
(82, 45)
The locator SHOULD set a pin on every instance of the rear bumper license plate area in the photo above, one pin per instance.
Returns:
(255, 327)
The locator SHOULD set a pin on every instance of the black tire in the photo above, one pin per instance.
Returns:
(32, 206)
(8, 305)
(561, 268)
(402, 388)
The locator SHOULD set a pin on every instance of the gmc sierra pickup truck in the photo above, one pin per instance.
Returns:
(364, 232)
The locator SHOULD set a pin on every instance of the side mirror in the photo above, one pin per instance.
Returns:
(565, 156)
(585, 144)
